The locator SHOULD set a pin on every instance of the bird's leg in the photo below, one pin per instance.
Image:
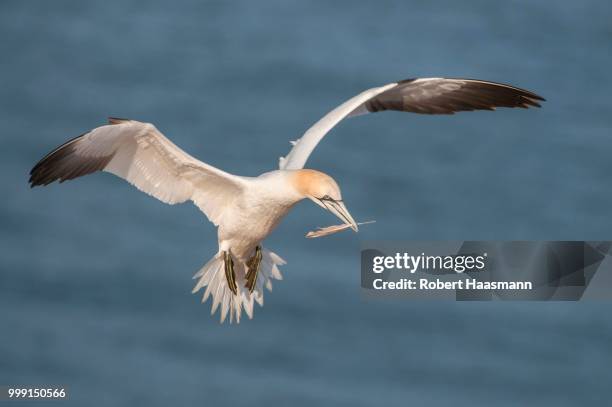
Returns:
(229, 272)
(253, 266)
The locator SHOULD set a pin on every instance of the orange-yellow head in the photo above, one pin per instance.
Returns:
(324, 191)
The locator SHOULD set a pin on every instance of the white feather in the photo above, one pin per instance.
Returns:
(300, 152)
(144, 157)
(225, 304)
(212, 276)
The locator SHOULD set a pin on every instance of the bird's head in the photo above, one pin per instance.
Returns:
(325, 192)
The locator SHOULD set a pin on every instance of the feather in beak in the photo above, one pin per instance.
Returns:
(320, 232)
(337, 208)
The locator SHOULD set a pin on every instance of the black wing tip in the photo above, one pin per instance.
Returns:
(43, 170)
(37, 183)
(117, 120)
(36, 178)
(48, 169)
(532, 99)
(40, 177)
(63, 164)
(528, 96)
(406, 80)
(33, 181)
(523, 92)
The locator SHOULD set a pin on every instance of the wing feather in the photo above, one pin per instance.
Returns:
(424, 96)
(143, 156)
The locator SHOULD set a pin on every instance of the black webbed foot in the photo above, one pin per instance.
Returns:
(229, 272)
(253, 269)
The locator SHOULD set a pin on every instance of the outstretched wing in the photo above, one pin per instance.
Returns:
(426, 95)
(143, 156)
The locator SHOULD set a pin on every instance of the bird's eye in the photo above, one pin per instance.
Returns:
(326, 198)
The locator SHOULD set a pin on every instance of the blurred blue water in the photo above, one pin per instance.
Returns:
(95, 277)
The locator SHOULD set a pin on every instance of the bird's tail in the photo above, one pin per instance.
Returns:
(212, 276)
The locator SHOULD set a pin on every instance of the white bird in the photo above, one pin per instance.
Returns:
(247, 209)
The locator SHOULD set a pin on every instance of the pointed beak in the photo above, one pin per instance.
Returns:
(338, 209)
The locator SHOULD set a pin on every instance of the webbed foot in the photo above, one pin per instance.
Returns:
(253, 269)
(229, 272)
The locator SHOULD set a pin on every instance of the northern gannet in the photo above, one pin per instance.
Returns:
(247, 209)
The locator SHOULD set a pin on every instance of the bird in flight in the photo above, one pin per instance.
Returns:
(247, 209)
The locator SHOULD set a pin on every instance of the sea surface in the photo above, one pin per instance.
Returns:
(95, 277)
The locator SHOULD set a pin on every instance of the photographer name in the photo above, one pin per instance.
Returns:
(437, 284)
